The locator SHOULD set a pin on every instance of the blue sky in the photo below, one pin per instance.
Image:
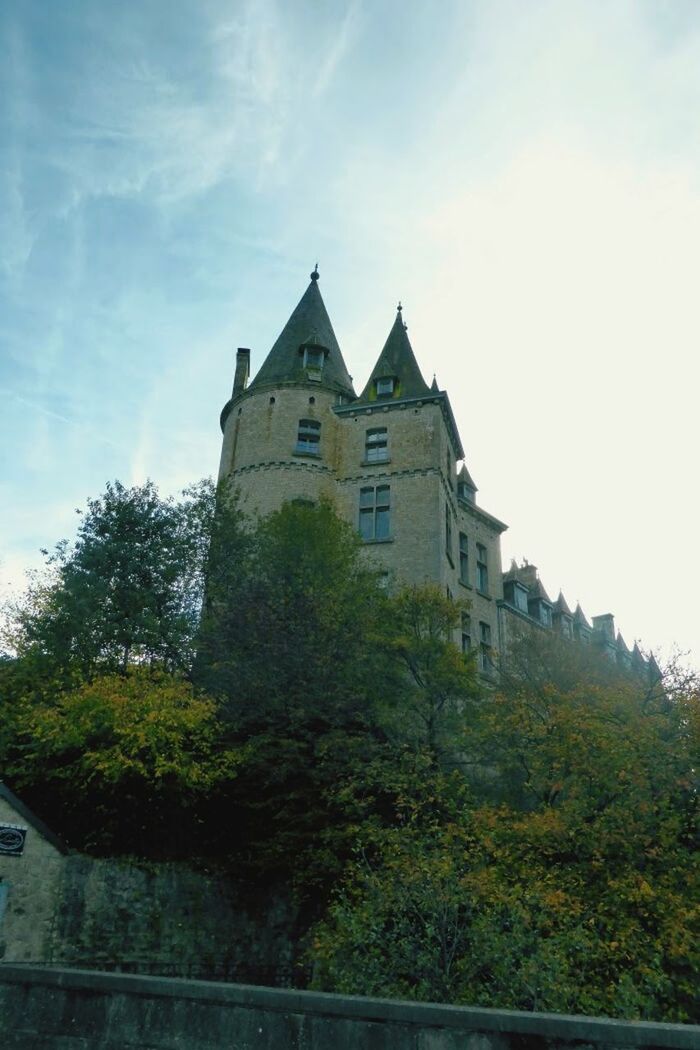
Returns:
(525, 176)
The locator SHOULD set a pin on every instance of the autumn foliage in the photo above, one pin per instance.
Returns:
(186, 683)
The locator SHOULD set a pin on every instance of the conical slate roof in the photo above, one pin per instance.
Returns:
(580, 617)
(397, 359)
(561, 606)
(310, 325)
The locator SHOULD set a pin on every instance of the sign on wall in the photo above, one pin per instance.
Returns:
(12, 838)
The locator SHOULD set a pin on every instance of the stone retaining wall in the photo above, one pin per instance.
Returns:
(45, 1009)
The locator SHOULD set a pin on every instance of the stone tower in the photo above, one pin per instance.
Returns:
(387, 458)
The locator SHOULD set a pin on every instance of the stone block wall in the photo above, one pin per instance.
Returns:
(58, 1010)
(169, 919)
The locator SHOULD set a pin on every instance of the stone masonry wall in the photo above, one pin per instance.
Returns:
(73, 1010)
(168, 919)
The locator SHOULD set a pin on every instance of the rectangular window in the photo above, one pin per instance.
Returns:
(448, 532)
(466, 632)
(385, 386)
(376, 445)
(482, 569)
(463, 558)
(485, 662)
(375, 510)
(545, 615)
(520, 597)
(309, 437)
(313, 357)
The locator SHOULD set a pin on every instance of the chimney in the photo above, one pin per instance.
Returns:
(605, 624)
(240, 379)
(527, 574)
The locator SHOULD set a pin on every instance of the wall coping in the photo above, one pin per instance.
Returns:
(599, 1030)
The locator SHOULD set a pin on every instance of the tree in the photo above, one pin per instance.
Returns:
(439, 682)
(123, 763)
(127, 591)
(570, 880)
(288, 644)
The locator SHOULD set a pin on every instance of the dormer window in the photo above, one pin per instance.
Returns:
(313, 356)
(385, 386)
(465, 491)
(516, 595)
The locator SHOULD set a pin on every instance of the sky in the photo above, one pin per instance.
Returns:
(524, 175)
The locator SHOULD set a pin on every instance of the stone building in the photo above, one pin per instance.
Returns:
(391, 460)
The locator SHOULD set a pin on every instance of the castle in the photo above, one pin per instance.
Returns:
(388, 459)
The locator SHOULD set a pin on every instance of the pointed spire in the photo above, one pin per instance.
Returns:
(654, 669)
(620, 642)
(465, 478)
(561, 606)
(580, 616)
(397, 361)
(309, 325)
(433, 386)
(637, 657)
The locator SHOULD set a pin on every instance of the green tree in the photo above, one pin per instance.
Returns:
(127, 591)
(438, 683)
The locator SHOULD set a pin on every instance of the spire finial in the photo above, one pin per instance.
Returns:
(314, 274)
(399, 308)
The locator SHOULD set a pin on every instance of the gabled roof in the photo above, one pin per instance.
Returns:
(26, 814)
(309, 324)
(561, 607)
(397, 359)
(580, 617)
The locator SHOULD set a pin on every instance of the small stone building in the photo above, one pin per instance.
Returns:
(31, 868)
(391, 460)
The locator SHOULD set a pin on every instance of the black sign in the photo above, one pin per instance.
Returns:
(12, 838)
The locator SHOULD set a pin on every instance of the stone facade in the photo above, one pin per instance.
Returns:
(388, 460)
(30, 877)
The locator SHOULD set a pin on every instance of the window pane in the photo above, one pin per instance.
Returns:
(367, 524)
(366, 497)
(385, 386)
(382, 521)
(383, 495)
